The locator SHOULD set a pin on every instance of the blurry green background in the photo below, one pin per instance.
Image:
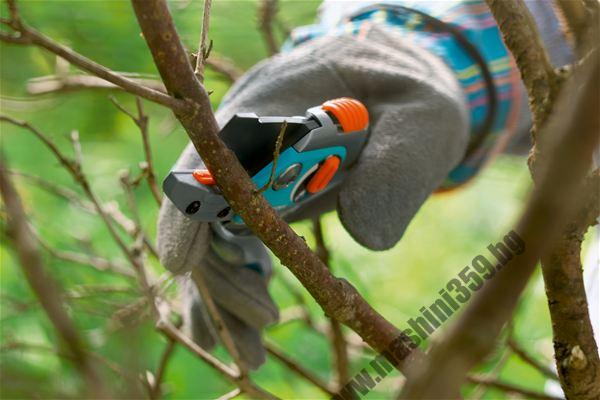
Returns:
(447, 233)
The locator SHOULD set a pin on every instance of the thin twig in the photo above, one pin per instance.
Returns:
(528, 359)
(512, 389)
(278, 144)
(76, 172)
(75, 82)
(231, 395)
(337, 338)
(141, 121)
(203, 47)
(243, 383)
(155, 390)
(299, 369)
(222, 329)
(224, 66)
(28, 35)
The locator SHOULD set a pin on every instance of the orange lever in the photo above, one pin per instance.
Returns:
(204, 177)
(324, 174)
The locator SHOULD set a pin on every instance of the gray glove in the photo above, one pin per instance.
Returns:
(419, 132)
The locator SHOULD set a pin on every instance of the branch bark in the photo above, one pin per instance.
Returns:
(576, 351)
(338, 298)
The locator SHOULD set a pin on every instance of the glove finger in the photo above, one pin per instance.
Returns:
(196, 321)
(201, 329)
(246, 338)
(240, 290)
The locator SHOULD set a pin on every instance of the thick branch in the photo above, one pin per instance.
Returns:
(521, 36)
(576, 16)
(576, 352)
(574, 135)
(337, 297)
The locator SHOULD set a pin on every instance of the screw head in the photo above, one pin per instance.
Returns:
(193, 207)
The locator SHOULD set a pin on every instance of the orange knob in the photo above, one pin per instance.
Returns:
(350, 113)
(324, 174)
(204, 177)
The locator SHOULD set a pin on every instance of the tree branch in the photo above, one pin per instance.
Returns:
(203, 47)
(562, 267)
(337, 297)
(299, 369)
(141, 121)
(336, 334)
(28, 35)
(549, 207)
(521, 36)
(70, 83)
(575, 349)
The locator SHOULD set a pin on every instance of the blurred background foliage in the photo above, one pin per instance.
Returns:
(448, 232)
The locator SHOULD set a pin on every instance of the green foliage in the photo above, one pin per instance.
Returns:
(447, 233)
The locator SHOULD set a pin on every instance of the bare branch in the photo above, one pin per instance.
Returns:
(576, 351)
(521, 36)
(155, 390)
(71, 83)
(203, 48)
(219, 324)
(44, 287)
(516, 348)
(244, 384)
(336, 334)
(141, 121)
(337, 297)
(298, 369)
(576, 16)
(28, 35)
(224, 66)
(550, 206)
(278, 144)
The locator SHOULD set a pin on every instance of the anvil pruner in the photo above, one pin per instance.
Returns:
(314, 157)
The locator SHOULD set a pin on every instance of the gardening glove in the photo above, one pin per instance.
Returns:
(235, 269)
(418, 133)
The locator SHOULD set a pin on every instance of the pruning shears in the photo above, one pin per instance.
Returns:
(316, 151)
